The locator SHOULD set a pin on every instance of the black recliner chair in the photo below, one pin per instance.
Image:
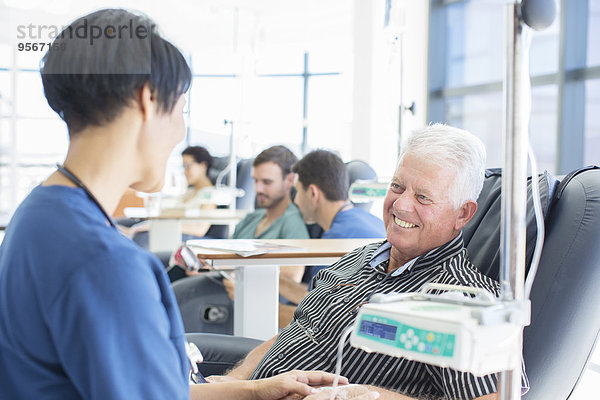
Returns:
(221, 352)
(565, 325)
(204, 304)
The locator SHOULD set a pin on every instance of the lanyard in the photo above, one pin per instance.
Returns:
(69, 175)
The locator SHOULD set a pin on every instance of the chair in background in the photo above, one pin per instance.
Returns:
(221, 352)
(243, 177)
(204, 304)
(360, 170)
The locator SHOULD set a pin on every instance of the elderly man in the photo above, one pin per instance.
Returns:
(430, 199)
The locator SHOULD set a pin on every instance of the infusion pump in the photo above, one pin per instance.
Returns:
(476, 334)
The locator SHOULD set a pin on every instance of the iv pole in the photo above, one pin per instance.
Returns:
(538, 14)
(232, 164)
(514, 186)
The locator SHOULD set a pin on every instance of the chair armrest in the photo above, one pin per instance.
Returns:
(221, 352)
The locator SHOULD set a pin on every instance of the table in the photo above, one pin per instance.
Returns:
(256, 305)
(165, 225)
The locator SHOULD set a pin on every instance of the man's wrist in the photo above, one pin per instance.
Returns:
(238, 373)
(253, 387)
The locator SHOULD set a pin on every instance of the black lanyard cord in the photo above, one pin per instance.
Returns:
(69, 175)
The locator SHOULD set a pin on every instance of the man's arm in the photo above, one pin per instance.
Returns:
(286, 313)
(195, 228)
(291, 288)
(389, 395)
(292, 273)
(245, 368)
(491, 396)
(289, 274)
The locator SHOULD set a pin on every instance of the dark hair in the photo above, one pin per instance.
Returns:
(90, 73)
(280, 155)
(325, 170)
(200, 154)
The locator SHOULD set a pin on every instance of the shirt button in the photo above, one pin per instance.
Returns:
(346, 299)
(281, 356)
(380, 277)
(316, 330)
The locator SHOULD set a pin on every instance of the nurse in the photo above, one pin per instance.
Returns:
(84, 312)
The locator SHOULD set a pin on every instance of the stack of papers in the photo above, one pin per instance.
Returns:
(243, 247)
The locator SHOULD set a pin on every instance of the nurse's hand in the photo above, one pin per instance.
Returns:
(293, 383)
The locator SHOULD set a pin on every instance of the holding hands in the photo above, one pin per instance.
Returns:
(301, 385)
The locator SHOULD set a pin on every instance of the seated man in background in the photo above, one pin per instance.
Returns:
(322, 196)
(431, 198)
(277, 217)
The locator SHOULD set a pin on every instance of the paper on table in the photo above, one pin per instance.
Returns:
(243, 247)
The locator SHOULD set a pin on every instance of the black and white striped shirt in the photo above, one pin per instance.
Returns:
(310, 341)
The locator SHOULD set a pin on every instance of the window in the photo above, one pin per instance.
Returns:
(248, 64)
(276, 112)
(466, 62)
(480, 114)
(473, 43)
(592, 122)
(267, 101)
(32, 137)
(593, 32)
(329, 113)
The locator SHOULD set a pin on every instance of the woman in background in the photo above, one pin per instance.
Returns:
(196, 161)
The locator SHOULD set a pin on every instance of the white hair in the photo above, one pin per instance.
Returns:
(453, 148)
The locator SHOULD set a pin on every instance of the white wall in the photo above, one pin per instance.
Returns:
(382, 55)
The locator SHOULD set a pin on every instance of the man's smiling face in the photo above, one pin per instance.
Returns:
(418, 213)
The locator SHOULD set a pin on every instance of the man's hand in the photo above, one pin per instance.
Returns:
(291, 383)
(220, 379)
(354, 392)
(203, 265)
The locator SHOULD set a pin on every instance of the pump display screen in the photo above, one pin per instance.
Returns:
(377, 329)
